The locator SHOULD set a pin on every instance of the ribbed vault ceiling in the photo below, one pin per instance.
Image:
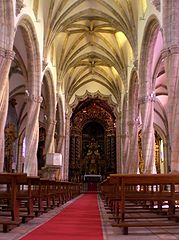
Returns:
(91, 42)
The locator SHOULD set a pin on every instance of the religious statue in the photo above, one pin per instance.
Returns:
(92, 158)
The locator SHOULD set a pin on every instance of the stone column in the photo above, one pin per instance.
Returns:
(167, 164)
(148, 137)
(119, 166)
(19, 6)
(6, 58)
(60, 143)
(49, 141)
(32, 135)
(20, 157)
(65, 165)
(171, 56)
(172, 67)
(124, 150)
(133, 157)
(124, 135)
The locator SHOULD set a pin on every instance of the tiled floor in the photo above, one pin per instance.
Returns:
(110, 233)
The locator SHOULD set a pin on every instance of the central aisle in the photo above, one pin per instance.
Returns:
(79, 221)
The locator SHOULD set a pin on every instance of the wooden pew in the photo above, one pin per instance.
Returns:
(27, 192)
(65, 191)
(147, 192)
(9, 185)
(59, 193)
(75, 189)
(110, 195)
(29, 196)
(22, 197)
(44, 194)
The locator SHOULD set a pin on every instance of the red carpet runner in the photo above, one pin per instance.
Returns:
(79, 221)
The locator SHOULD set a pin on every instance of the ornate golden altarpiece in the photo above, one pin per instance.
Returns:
(92, 140)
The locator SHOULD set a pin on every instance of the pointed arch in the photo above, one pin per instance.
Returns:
(33, 53)
(147, 94)
(6, 56)
(133, 122)
(61, 124)
(133, 95)
(49, 82)
(147, 50)
(49, 91)
(34, 99)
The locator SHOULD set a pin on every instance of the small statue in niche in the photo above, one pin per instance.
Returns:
(93, 147)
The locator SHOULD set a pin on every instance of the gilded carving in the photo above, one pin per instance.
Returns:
(157, 152)
(92, 151)
(10, 137)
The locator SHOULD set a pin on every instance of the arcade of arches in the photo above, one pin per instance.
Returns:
(89, 87)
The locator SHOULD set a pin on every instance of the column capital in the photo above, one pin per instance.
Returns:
(19, 6)
(165, 52)
(124, 135)
(34, 98)
(149, 98)
(133, 122)
(136, 63)
(7, 53)
(157, 4)
(44, 64)
(52, 122)
(62, 136)
(173, 49)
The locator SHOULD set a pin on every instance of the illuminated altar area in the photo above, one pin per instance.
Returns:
(92, 140)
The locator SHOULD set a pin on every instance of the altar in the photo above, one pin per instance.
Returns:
(92, 178)
(91, 182)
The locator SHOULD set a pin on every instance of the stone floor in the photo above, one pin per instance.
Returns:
(110, 233)
(147, 233)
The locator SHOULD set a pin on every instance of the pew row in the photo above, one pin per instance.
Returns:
(143, 195)
(23, 197)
